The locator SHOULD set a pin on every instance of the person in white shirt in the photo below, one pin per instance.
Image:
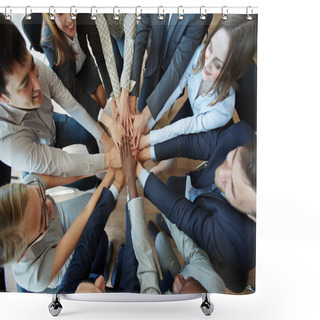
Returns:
(31, 134)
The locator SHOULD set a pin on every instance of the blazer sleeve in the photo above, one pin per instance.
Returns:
(141, 40)
(220, 237)
(95, 43)
(85, 251)
(191, 39)
(67, 75)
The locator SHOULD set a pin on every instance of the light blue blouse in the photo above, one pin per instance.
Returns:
(205, 117)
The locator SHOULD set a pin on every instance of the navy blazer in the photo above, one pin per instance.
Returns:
(67, 71)
(227, 235)
(168, 52)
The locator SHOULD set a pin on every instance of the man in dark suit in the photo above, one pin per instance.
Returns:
(220, 217)
(172, 45)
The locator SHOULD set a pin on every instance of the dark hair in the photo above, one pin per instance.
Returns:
(12, 49)
(249, 162)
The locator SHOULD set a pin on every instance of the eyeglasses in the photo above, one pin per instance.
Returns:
(44, 213)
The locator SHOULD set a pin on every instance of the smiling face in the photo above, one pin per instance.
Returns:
(233, 183)
(66, 24)
(23, 86)
(215, 55)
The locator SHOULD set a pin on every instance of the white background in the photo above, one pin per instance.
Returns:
(288, 160)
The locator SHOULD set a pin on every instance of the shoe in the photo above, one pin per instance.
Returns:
(116, 273)
(162, 224)
(108, 260)
(153, 230)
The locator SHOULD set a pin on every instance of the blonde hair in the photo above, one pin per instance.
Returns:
(243, 46)
(13, 201)
(63, 50)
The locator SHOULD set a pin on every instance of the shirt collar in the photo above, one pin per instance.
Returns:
(12, 113)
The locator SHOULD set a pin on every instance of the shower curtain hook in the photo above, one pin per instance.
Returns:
(28, 13)
(224, 13)
(203, 13)
(160, 15)
(180, 13)
(116, 14)
(6, 14)
(93, 16)
(51, 11)
(248, 15)
(138, 14)
(73, 16)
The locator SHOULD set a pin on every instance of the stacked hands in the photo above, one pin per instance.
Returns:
(125, 121)
(129, 133)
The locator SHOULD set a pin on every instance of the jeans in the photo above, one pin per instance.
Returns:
(69, 132)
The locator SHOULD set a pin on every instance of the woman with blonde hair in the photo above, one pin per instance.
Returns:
(211, 79)
(38, 235)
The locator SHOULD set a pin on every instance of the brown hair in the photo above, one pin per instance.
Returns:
(13, 201)
(63, 50)
(243, 46)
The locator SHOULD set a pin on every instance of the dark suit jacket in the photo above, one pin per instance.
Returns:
(227, 235)
(67, 71)
(169, 54)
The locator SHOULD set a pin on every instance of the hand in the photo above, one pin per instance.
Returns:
(144, 155)
(144, 141)
(132, 104)
(117, 132)
(119, 180)
(112, 159)
(129, 168)
(128, 161)
(139, 127)
(107, 142)
(123, 114)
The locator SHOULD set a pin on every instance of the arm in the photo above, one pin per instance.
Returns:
(72, 236)
(218, 116)
(192, 37)
(210, 228)
(146, 272)
(95, 44)
(85, 251)
(140, 45)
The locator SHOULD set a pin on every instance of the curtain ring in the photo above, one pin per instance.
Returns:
(203, 13)
(93, 16)
(73, 15)
(248, 15)
(28, 13)
(138, 14)
(224, 13)
(180, 13)
(52, 10)
(7, 10)
(116, 14)
(160, 15)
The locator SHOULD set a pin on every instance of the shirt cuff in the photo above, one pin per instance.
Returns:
(153, 153)
(143, 177)
(99, 115)
(114, 192)
(151, 123)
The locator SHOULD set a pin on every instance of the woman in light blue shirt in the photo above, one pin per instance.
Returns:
(211, 79)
